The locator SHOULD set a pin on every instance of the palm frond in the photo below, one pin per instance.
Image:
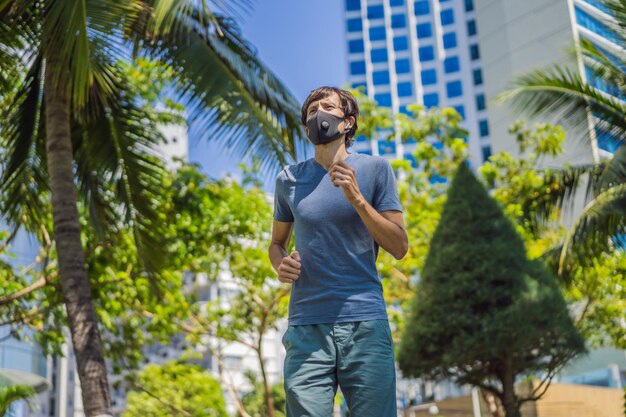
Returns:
(607, 67)
(120, 175)
(19, 41)
(603, 219)
(562, 93)
(75, 33)
(617, 9)
(614, 172)
(13, 393)
(561, 186)
(66, 43)
(230, 93)
(24, 178)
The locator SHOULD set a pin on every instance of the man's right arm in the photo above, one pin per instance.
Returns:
(287, 265)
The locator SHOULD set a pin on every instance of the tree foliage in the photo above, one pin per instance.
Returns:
(175, 389)
(483, 313)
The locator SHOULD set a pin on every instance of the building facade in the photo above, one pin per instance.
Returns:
(402, 52)
(517, 37)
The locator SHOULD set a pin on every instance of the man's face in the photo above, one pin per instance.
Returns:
(330, 104)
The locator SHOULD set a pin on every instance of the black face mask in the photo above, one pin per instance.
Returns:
(324, 127)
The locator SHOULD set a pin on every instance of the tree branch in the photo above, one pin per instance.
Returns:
(229, 384)
(41, 282)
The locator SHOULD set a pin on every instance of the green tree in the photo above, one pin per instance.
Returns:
(594, 285)
(175, 389)
(72, 128)
(260, 300)
(484, 314)
(255, 402)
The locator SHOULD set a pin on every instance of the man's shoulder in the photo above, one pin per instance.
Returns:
(375, 161)
(291, 171)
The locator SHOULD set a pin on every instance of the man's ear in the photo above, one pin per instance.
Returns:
(306, 130)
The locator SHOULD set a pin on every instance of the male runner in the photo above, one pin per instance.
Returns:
(343, 206)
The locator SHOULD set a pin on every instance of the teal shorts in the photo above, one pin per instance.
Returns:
(356, 356)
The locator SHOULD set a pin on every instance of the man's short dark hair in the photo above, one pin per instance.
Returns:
(348, 104)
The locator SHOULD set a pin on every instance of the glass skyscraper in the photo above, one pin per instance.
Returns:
(426, 52)
(592, 18)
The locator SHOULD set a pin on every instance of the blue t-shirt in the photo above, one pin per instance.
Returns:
(338, 277)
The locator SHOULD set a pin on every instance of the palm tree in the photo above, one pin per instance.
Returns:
(597, 105)
(72, 129)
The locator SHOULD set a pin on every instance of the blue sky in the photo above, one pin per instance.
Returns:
(302, 42)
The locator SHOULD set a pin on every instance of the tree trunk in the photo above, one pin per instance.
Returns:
(269, 400)
(73, 274)
(509, 400)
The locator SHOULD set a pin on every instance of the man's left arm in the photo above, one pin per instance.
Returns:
(386, 227)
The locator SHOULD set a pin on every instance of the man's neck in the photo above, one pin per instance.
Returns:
(327, 153)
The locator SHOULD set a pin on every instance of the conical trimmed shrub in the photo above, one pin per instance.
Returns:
(483, 314)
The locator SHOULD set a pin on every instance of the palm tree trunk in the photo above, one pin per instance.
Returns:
(73, 274)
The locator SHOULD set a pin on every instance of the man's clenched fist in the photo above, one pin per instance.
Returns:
(289, 268)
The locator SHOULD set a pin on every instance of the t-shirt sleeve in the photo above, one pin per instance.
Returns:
(282, 211)
(386, 190)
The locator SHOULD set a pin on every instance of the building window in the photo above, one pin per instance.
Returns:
(421, 8)
(380, 77)
(424, 30)
(431, 99)
(386, 147)
(411, 158)
(398, 21)
(393, 3)
(469, 5)
(404, 110)
(426, 53)
(400, 43)
(478, 76)
(480, 102)
(449, 40)
(483, 127)
(471, 27)
(429, 77)
(405, 89)
(362, 86)
(376, 12)
(377, 33)
(474, 52)
(356, 46)
(447, 17)
(589, 22)
(486, 153)
(357, 68)
(454, 89)
(403, 66)
(353, 5)
(451, 64)
(461, 111)
(383, 99)
(355, 25)
(379, 55)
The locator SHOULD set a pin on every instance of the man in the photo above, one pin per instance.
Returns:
(343, 206)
